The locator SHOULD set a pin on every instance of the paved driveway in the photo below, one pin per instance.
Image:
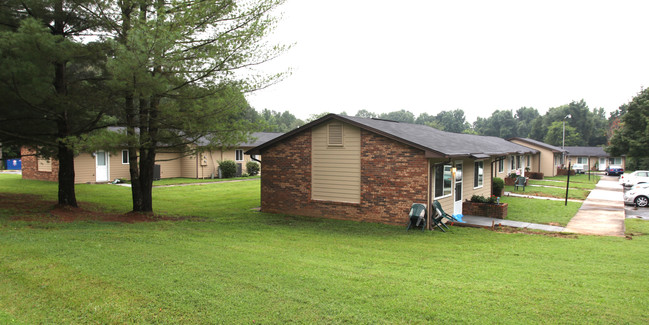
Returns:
(603, 211)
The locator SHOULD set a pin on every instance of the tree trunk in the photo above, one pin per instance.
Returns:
(67, 195)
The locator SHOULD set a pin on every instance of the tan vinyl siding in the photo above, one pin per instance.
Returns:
(116, 168)
(188, 167)
(336, 170)
(84, 168)
(168, 168)
(546, 158)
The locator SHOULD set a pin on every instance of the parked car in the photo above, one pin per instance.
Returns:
(579, 168)
(638, 176)
(638, 195)
(614, 170)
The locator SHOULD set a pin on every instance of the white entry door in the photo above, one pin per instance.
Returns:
(101, 162)
(602, 164)
(457, 201)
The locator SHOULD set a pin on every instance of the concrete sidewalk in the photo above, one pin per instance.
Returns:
(488, 222)
(601, 214)
(603, 211)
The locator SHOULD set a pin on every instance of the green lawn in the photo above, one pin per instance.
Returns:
(573, 193)
(183, 180)
(234, 265)
(540, 211)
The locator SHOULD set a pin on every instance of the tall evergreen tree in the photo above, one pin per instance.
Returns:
(45, 78)
(175, 65)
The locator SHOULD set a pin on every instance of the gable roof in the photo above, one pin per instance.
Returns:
(435, 143)
(539, 143)
(586, 151)
(259, 138)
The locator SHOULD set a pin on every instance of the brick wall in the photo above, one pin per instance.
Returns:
(393, 176)
(485, 209)
(30, 167)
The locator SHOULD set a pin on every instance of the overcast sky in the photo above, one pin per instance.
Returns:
(479, 56)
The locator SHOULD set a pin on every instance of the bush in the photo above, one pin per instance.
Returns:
(228, 169)
(482, 199)
(245, 175)
(535, 175)
(252, 168)
(497, 184)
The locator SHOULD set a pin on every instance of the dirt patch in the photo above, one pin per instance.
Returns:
(512, 230)
(28, 207)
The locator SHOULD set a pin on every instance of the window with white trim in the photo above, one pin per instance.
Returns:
(582, 160)
(443, 180)
(512, 163)
(478, 174)
(501, 165)
(125, 157)
(238, 155)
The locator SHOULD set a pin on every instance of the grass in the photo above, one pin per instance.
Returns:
(240, 266)
(181, 180)
(580, 186)
(577, 194)
(540, 211)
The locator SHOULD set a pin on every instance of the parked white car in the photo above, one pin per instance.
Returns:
(638, 176)
(579, 168)
(638, 195)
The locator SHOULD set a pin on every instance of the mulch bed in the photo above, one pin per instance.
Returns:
(28, 207)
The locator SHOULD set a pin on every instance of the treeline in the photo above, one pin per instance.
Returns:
(583, 126)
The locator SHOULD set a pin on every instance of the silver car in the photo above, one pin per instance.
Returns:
(638, 195)
(638, 176)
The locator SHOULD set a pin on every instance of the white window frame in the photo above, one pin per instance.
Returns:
(501, 165)
(475, 173)
(238, 155)
(512, 163)
(450, 188)
(127, 157)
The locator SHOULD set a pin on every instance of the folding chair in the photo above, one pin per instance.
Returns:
(417, 216)
(520, 181)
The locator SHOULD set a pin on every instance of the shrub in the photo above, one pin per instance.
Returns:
(535, 175)
(228, 168)
(481, 199)
(478, 199)
(245, 175)
(498, 184)
(252, 168)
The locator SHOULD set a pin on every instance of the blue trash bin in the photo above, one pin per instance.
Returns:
(14, 164)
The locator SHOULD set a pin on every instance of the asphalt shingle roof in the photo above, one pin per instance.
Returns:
(424, 137)
(587, 151)
(539, 143)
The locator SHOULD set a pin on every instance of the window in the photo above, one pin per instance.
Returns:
(501, 165)
(442, 180)
(478, 174)
(615, 161)
(512, 165)
(528, 161)
(335, 134)
(44, 164)
(238, 155)
(582, 160)
(124, 157)
(518, 161)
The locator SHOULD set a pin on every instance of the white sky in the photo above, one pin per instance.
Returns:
(479, 56)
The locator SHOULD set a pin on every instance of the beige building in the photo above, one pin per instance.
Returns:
(105, 166)
(548, 158)
(595, 157)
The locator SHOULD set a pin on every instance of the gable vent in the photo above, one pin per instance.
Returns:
(335, 134)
